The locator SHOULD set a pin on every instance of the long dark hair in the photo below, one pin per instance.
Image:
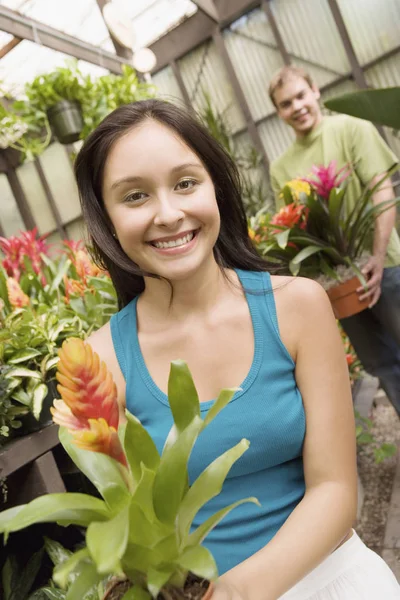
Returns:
(233, 248)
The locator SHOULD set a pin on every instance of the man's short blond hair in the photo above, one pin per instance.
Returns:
(283, 75)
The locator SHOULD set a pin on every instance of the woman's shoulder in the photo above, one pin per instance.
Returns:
(301, 304)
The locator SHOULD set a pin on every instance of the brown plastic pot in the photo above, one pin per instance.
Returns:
(345, 299)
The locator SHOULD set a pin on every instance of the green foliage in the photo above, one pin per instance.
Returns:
(68, 296)
(147, 510)
(255, 191)
(364, 436)
(380, 106)
(17, 581)
(25, 125)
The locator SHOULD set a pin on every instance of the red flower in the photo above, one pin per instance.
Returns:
(327, 178)
(291, 215)
(350, 358)
(16, 249)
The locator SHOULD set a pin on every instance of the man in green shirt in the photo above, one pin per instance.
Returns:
(375, 332)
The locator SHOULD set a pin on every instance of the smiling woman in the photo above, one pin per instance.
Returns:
(192, 287)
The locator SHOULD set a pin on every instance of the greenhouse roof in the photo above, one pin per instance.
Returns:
(150, 19)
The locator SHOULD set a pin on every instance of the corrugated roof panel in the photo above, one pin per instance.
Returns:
(204, 73)
(167, 87)
(276, 136)
(255, 56)
(385, 73)
(373, 26)
(311, 37)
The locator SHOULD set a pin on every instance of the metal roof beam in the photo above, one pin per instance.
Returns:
(9, 46)
(208, 7)
(26, 28)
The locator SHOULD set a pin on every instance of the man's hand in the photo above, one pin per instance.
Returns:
(373, 272)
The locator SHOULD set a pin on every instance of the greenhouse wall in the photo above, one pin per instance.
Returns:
(236, 81)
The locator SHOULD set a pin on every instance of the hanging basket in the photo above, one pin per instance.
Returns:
(345, 299)
(66, 121)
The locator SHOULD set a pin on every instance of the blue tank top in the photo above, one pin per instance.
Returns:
(268, 411)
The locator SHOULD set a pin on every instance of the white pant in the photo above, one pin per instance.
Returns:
(352, 572)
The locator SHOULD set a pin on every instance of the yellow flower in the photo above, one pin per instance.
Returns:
(298, 186)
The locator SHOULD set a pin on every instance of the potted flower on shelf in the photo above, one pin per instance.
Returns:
(43, 301)
(315, 236)
(148, 505)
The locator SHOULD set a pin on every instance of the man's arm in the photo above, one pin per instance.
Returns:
(384, 224)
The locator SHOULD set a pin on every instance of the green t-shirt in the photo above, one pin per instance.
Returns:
(346, 140)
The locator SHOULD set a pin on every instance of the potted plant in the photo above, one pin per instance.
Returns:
(42, 302)
(150, 550)
(58, 95)
(314, 235)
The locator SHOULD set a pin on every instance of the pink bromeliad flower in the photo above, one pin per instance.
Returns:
(327, 178)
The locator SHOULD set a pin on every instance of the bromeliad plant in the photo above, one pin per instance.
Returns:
(314, 234)
(140, 531)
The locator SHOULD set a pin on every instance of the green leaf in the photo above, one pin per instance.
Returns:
(87, 578)
(380, 106)
(23, 356)
(171, 477)
(9, 576)
(182, 395)
(204, 529)
(50, 594)
(22, 372)
(224, 397)
(157, 578)
(39, 394)
(200, 561)
(139, 447)
(207, 485)
(107, 556)
(282, 238)
(136, 593)
(56, 551)
(27, 577)
(104, 472)
(51, 363)
(62, 270)
(63, 572)
(143, 495)
(79, 509)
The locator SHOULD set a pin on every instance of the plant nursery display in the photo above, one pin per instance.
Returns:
(314, 235)
(151, 550)
(43, 301)
(67, 103)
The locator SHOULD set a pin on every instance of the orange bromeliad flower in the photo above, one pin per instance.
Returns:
(290, 215)
(16, 296)
(89, 406)
(101, 438)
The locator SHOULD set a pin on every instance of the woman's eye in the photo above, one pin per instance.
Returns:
(186, 184)
(135, 197)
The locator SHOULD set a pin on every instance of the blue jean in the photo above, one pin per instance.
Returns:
(375, 335)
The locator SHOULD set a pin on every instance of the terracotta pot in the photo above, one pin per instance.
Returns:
(345, 300)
